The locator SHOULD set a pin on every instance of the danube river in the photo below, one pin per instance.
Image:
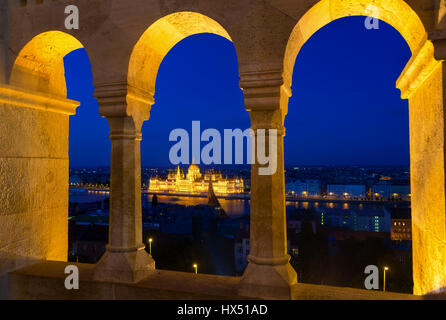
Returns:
(234, 207)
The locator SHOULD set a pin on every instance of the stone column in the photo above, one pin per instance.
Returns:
(269, 273)
(422, 82)
(125, 259)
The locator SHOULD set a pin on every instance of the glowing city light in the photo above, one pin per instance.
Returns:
(384, 284)
(150, 246)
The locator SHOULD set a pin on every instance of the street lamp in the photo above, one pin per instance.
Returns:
(150, 246)
(196, 268)
(384, 286)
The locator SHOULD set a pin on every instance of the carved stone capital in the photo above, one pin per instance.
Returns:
(111, 99)
(417, 70)
(261, 88)
(123, 100)
(264, 88)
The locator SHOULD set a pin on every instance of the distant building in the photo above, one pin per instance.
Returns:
(79, 208)
(335, 218)
(401, 234)
(400, 191)
(401, 229)
(195, 183)
(373, 220)
(74, 180)
(368, 219)
(311, 188)
(196, 221)
(242, 247)
(386, 190)
(340, 234)
(90, 244)
(401, 226)
(295, 221)
(346, 190)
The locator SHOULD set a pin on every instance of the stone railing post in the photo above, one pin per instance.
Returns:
(125, 259)
(269, 273)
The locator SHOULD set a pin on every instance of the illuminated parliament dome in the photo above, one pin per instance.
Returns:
(196, 183)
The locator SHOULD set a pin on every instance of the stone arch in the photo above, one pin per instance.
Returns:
(125, 118)
(153, 46)
(421, 82)
(396, 13)
(40, 67)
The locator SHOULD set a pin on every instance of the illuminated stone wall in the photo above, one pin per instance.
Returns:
(34, 165)
(33, 179)
(34, 169)
(427, 150)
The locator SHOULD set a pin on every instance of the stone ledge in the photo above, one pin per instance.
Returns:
(45, 280)
(303, 291)
(28, 99)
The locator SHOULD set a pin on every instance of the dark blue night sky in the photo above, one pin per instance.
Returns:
(345, 109)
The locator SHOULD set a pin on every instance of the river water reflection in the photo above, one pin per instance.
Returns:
(233, 207)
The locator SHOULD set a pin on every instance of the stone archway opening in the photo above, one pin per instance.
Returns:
(183, 34)
(159, 39)
(197, 83)
(420, 83)
(346, 121)
(125, 236)
(89, 161)
(396, 13)
(152, 47)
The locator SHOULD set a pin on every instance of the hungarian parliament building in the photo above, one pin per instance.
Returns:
(196, 183)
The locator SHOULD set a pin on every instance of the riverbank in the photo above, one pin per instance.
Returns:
(247, 196)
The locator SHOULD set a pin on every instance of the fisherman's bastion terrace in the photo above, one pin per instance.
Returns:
(126, 42)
